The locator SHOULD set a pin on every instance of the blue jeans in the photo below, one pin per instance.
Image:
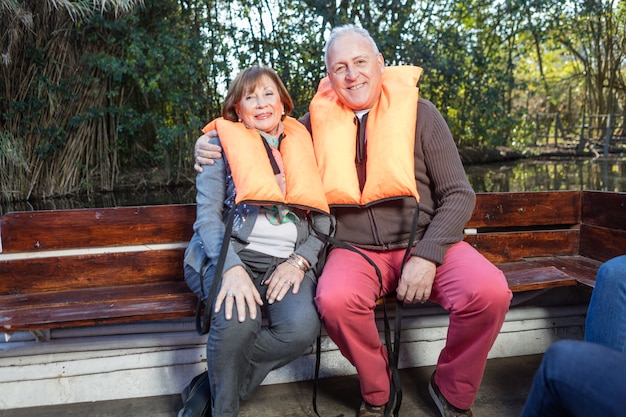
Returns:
(240, 355)
(578, 379)
(606, 317)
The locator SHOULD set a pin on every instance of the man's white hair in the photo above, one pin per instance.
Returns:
(340, 31)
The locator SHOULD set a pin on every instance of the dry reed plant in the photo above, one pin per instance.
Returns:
(51, 86)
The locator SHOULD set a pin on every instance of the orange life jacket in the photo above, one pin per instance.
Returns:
(390, 132)
(253, 175)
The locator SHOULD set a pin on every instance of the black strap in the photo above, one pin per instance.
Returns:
(270, 154)
(394, 357)
(396, 390)
(203, 321)
(361, 152)
(393, 348)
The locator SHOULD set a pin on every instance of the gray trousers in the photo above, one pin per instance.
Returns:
(240, 355)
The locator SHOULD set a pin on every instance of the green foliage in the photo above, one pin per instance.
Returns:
(157, 75)
(134, 85)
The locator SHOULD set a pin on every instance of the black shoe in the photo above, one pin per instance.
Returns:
(445, 408)
(197, 397)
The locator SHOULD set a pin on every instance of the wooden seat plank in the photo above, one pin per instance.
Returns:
(580, 268)
(538, 278)
(514, 246)
(90, 306)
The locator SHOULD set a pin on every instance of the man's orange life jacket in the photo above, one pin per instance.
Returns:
(390, 132)
(253, 175)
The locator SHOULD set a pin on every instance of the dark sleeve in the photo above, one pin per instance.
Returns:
(446, 198)
(306, 121)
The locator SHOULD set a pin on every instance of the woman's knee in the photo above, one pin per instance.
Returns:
(232, 328)
(299, 330)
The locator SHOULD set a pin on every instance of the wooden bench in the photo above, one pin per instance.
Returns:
(69, 268)
(549, 239)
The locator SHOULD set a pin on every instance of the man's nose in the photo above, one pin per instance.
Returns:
(351, 72)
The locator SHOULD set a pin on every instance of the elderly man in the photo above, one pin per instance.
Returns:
(384, 155)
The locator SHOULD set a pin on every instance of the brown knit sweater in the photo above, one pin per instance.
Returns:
(446, 197)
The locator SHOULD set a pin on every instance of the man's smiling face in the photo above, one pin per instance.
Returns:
(355, 71)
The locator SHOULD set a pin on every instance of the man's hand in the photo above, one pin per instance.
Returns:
(237, 287)
(416, 282)
(205, 153)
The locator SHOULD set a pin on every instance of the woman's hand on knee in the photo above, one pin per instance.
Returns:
(238, 290)
(286, 277)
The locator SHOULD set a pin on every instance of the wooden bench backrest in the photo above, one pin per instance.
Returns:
(603, 229)
(511, 226)
(94, 248)
(508, 227)
(87, 228)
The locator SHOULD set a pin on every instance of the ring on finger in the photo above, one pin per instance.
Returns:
(229, 294)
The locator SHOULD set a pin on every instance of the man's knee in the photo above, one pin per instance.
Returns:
(492, 294)
(340, 303)
(328, 304)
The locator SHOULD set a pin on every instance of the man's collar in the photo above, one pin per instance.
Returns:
(360, 113)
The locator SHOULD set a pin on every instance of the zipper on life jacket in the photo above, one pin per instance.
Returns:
(375, 229)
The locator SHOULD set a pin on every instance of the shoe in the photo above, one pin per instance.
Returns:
(368, 410)
(445, 408)
(197, 397)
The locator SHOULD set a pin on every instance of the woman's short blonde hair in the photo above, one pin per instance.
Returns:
(245, 82)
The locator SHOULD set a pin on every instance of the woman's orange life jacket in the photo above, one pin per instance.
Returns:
(253, 175)
(390, 132)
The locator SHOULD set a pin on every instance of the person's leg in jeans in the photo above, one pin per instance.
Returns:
(241, 354)
(578, 379)
(606, 317)
(293, 324)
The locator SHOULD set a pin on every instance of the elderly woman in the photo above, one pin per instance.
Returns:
(261, 211)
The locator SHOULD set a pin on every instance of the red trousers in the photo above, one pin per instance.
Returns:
(470, 287)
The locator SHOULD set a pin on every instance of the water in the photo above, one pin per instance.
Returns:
(602, 174)
(522, 175)
(179, 195)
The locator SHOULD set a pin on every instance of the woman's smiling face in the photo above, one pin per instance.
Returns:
(261, 108)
